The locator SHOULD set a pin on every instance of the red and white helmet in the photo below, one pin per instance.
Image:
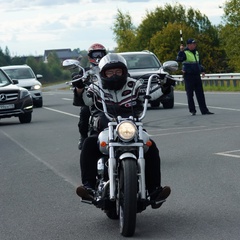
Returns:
(95, 52)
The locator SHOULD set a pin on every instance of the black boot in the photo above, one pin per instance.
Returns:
(159, 196)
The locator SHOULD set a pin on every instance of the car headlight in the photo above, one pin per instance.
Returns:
(126, 130)
(36, 87)
(24, 93)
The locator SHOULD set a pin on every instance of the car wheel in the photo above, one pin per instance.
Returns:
(168, 104)
(39, 104)
(155, 103)
(25, 117)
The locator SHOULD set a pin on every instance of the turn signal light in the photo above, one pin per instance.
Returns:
(149, 143)
(103, 144)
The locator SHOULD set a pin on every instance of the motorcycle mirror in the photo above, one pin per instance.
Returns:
(71, 63)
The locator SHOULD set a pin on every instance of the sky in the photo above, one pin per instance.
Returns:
(31, 27)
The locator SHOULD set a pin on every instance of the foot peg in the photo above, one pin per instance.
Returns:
(87, 201)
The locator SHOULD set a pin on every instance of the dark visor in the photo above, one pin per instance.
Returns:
(98, 54)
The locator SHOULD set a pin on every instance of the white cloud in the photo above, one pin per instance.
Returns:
(32, 27)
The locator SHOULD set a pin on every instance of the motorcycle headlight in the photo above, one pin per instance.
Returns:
(126, 130)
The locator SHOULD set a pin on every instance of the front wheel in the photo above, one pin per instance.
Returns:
(128, 197)
(39, 103)
(25, 117)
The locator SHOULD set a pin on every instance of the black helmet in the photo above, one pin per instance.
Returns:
(110, 61)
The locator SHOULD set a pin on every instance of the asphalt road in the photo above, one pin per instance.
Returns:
(39, 171)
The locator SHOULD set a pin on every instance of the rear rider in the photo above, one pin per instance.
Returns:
(95, 52)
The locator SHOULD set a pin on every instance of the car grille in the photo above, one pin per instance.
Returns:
(11, 112)
(8, 96)
(28, 88)
(154, 81)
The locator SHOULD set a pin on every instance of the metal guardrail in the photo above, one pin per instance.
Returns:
(216, 79)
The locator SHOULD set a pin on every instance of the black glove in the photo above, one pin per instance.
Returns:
(78, 84)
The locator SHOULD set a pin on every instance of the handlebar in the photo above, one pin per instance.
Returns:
(147, 95)
(70, 63)
(145, 101)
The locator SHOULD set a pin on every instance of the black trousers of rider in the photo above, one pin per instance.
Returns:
(84, 116)
(90, 154)
(193, 83)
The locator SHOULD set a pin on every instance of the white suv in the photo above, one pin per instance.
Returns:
(26, 79)
(142, 64)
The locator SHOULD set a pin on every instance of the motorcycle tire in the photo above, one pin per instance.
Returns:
(128, 197)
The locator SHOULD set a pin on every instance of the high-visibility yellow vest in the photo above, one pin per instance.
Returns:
(190, 57)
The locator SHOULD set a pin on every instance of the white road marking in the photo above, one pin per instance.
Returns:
(55, 110)
(197, 130)
(38, 158)
(230, 153)
(67, 99)
(221, 108)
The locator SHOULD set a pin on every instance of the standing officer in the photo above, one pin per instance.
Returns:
(192, 69)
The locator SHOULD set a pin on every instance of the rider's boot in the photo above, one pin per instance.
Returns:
(85, 193)
(159, 196)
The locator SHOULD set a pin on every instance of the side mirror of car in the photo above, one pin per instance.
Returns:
(15, 81)
(170, 66)
(39, 76)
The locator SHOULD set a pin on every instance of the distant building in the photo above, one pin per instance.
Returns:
(62, 54)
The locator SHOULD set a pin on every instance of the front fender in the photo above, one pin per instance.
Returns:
(127, 155)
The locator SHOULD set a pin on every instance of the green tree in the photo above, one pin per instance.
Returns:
(159, 19)
(156, 21)
(159, 33)
(18, 60)
(3, 59)
(51, 71)
(32, 62)
(165, 43)
(7, 56)
(53, 67)
(230, 33)
(124, 32)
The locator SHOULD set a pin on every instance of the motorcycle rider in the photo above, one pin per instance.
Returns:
(95, 52)
(122, 96)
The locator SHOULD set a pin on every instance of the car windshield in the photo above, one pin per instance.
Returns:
(19, 73)
(4, 81)
(141, 61)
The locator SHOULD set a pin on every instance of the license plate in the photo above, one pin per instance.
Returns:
(7, 106)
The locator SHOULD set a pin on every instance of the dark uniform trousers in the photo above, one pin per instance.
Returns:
(193, 83)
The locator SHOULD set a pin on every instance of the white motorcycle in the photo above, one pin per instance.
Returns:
(121, 190)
